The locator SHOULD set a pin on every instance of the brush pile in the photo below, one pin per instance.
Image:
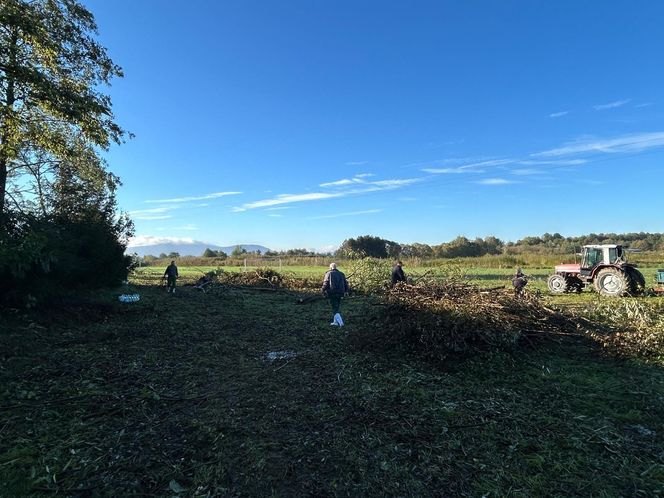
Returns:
(267, 278)
(260, 277)
(457, 317)
(630, 327)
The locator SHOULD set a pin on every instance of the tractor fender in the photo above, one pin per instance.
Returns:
(600, 267)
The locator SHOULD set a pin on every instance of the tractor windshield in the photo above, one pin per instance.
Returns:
(616, 254)
(592, 257)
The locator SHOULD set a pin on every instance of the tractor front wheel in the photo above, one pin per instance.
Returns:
(612, 282)
(557, 284)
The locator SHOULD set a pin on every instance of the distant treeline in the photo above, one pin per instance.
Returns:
(461, 247)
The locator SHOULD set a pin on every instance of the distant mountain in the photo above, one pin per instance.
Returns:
(194, 248)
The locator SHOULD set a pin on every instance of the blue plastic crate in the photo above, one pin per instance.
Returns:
(660, 276)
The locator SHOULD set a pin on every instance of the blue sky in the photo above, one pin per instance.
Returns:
(302, 123)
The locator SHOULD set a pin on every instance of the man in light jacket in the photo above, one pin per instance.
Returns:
(335, 286)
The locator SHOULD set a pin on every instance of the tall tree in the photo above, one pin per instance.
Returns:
(51, 69)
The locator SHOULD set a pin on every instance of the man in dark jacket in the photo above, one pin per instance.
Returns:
(171, 275)
(335, 286)
(398, 274)
(519, 282)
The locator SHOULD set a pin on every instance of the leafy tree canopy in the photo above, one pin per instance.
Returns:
(51, 106)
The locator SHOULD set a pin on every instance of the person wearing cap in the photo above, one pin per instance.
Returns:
(335, 286)
(171, 275)
(397, 273)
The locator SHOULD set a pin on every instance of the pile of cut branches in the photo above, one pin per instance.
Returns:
(269, 278)
(631, 327)
(456, 317)
(260, 277)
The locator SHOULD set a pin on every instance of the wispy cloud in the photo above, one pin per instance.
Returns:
(151, 210)
(363, 187)
(275, 215)
(495, 181)
(645, 104)
(526, 171)
(395, 183)
(338, 215)
(400, 182)
(214, 195)
(151, 214)
(288, 199)
(558, 114)
(476, 167)
(554, 162)
(356, 163)
(625, 143)
(341, 183)
(344, 182)
(450, 171)
(611, 105)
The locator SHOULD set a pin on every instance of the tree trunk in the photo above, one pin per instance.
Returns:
(3, 186)
(5, 124)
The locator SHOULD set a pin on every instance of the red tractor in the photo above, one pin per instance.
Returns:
(602, 266)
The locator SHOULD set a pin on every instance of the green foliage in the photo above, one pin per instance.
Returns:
(51, 109)
(61, 229)
(368, 246)
(210, 253)
(238, 251)
(635, 327)
(462, 247)
(44, 257)
(369, 275)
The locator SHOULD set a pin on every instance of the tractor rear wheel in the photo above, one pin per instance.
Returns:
(612, 282)
(557, 284)
(638, 281)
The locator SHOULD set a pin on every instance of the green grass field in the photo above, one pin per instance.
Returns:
(485, 277)
(178, 395)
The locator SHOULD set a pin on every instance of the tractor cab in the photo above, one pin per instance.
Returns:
(605, 254)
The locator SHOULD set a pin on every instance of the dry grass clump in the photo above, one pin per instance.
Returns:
(632, 327)
(451, 318)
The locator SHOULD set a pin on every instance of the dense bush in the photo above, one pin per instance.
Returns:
(43, 257)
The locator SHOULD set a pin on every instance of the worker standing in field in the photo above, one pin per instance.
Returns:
(519, 282)
(171, 275)
(397, 273)
(335, 286)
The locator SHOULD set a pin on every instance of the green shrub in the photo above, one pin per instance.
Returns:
(369, 275)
